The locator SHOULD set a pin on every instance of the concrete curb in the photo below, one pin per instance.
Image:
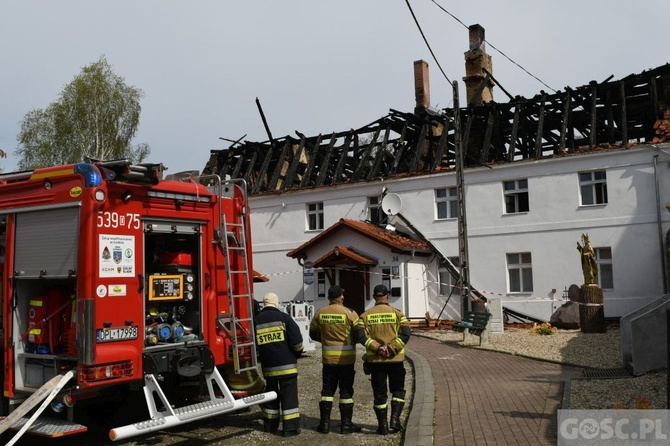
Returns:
(419, 429)
(567, 386)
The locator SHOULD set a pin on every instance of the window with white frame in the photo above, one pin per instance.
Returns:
(593, 187)
(605, 273)
(520, 272)
(516, 196)
(315, 216)
(376, 214)
(447, 283)
(446, 203)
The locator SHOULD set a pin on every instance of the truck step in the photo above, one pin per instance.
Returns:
(50, 427)
(187, 414)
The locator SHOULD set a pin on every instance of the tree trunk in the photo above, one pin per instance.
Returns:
(591, 311)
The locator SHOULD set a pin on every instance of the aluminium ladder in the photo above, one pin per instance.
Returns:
(231, 238)
(233, 242)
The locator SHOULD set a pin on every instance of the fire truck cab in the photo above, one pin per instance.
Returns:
(128, 279)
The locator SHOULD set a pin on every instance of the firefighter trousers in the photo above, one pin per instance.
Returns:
(383, 372)
(334, 376)
(285, 407)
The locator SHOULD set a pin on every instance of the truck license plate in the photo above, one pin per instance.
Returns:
(117, 333)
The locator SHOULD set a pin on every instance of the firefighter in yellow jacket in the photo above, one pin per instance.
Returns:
(384, 331)
(332, 327)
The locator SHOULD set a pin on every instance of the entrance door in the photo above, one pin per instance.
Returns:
(354, 290)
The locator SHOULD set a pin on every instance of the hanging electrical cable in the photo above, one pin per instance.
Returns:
(426, 41)
(490, 44)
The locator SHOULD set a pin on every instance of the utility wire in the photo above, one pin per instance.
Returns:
(426, 41)
(491, 45)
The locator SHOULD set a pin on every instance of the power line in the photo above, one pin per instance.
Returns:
(492, 46)
(426, 41)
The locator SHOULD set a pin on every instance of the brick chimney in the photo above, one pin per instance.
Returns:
(476, 60)
(421, 86)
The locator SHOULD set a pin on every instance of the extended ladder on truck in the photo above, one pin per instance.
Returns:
(238, 323)
(233, 243)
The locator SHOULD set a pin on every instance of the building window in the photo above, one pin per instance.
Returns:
(516, 196)
(315, 216)
(376, 214)
(520, 272)
(320, 285)
(593, 187)
(448, 283)
(605, 274)
(446, 203)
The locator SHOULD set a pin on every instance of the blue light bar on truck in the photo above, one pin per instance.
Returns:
(91, 174)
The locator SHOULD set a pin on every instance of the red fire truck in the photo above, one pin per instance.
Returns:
(113, 277)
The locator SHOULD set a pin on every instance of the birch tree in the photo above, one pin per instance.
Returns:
(96, 116)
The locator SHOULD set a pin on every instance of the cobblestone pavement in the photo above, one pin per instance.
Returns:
(490, 398)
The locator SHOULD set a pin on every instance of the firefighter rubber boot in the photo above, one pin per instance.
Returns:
(324, 408)
(270, 426)
(382, 422)
(346, 426)
(396, 410)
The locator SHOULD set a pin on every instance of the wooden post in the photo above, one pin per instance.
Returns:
(591, 311)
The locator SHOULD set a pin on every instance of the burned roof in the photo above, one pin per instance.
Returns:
(597, 116)
(398, 242)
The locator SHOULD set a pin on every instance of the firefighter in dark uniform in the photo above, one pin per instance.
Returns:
(332, 327)
(279, 345)
(384, 331)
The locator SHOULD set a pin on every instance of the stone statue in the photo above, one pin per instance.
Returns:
(589, 266)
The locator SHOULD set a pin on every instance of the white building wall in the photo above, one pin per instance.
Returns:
(628, 223)
(278, 225)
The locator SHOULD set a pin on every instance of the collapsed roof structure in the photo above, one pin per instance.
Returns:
(596, 116)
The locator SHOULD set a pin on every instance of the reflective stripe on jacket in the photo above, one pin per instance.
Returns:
(382, 325)
(279, 342)
(332, 326)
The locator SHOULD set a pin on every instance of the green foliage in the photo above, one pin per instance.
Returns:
(96, 115)
(543, 329)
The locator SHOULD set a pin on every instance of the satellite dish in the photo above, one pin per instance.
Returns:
(391, 204)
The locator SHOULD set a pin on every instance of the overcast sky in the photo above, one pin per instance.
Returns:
(316, 66)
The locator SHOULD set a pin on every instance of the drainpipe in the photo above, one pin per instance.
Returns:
(660, 225)
(405, 296)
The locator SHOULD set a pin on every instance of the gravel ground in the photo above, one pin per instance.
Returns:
(247, 427)
(595, 350)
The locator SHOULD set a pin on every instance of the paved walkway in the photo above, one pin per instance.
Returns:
(465, 396)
